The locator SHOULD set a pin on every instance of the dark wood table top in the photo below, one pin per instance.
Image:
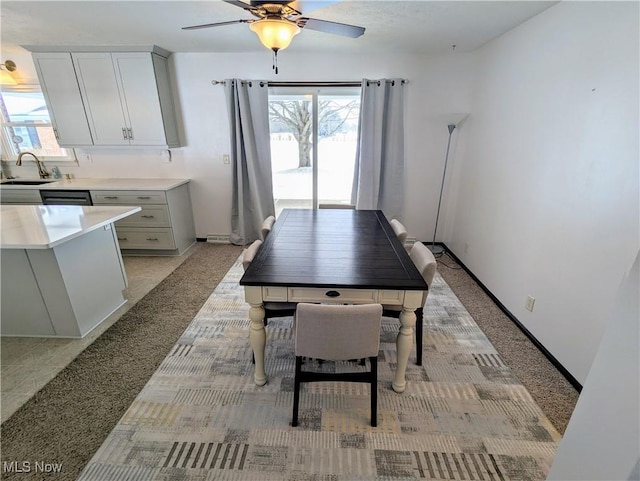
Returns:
(338, 248)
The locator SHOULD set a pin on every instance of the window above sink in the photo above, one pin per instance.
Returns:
(26, 125)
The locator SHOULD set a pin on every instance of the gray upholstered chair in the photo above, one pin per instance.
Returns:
(337, 333)
(271, 309)
(267, 225)
(426, 263)
(399, 229)
(249, 253)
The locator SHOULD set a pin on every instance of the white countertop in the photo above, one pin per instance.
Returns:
(46, 226)
(101, 184)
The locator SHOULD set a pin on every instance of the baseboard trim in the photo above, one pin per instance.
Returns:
(572, 380)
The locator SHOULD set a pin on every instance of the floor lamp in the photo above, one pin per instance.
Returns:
(439, 250)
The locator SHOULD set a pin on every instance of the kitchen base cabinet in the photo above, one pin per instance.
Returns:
(20, 196)
(145, 238)
(164, 226)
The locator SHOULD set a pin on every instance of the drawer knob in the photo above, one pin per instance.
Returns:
(332, 294)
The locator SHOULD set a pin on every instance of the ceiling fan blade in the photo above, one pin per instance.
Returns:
(218, 24)
(240, 4)
(326, 26)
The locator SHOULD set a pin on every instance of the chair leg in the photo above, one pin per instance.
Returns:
(296, 390)
(374, 391)
(419, 314)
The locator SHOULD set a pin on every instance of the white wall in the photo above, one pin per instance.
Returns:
(547, 189)
(602, 438)
(438, 85)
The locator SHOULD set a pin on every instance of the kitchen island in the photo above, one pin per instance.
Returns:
(61, 269)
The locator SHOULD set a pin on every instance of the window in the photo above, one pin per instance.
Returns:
(26, 126)
(301, 118)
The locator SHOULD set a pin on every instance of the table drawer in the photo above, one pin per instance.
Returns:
(149, 216)
(274, 294)
(145, 238)
(310, 294)
(128, 197)
(391, 297)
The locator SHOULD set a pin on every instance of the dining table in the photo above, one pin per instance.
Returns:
(343, 256)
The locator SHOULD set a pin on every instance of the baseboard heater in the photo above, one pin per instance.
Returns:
(218, 239)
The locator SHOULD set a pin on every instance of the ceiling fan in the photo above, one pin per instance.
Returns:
(278, 21)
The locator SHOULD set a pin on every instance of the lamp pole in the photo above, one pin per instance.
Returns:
(438, 250)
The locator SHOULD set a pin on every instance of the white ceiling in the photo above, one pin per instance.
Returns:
(391, 26)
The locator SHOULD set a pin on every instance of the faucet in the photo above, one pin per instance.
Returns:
(42, 170)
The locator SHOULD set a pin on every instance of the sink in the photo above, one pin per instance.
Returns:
(25, 182)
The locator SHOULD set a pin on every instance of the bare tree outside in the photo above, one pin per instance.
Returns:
(295, 116)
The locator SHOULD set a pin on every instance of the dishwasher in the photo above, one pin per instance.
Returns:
(66, 197)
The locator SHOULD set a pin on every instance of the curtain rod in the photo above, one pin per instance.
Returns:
(312, 84)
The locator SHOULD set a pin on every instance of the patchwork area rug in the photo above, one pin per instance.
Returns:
(463, 416)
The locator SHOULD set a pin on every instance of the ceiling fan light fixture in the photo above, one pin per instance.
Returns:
(275, 33)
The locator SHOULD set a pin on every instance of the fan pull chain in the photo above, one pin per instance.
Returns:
(275, 60)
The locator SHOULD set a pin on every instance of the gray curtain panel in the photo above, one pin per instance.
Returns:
(248, 108)
(378, 182)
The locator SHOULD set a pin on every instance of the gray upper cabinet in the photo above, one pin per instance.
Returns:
(66, 108)
(126, 97)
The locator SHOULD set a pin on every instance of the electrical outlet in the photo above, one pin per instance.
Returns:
(226, 159)
(530, 303)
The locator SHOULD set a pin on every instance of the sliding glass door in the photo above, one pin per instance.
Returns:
(300, 119)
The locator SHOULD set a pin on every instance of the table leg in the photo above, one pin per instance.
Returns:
(258, 340)
(404, 342)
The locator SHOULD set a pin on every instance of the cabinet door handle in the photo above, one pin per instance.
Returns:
(122, 238)
(147, 216)
(332, 294)
(144, 197)
(124, 133)
(152, 238)
(130, 134)
(110, 196)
